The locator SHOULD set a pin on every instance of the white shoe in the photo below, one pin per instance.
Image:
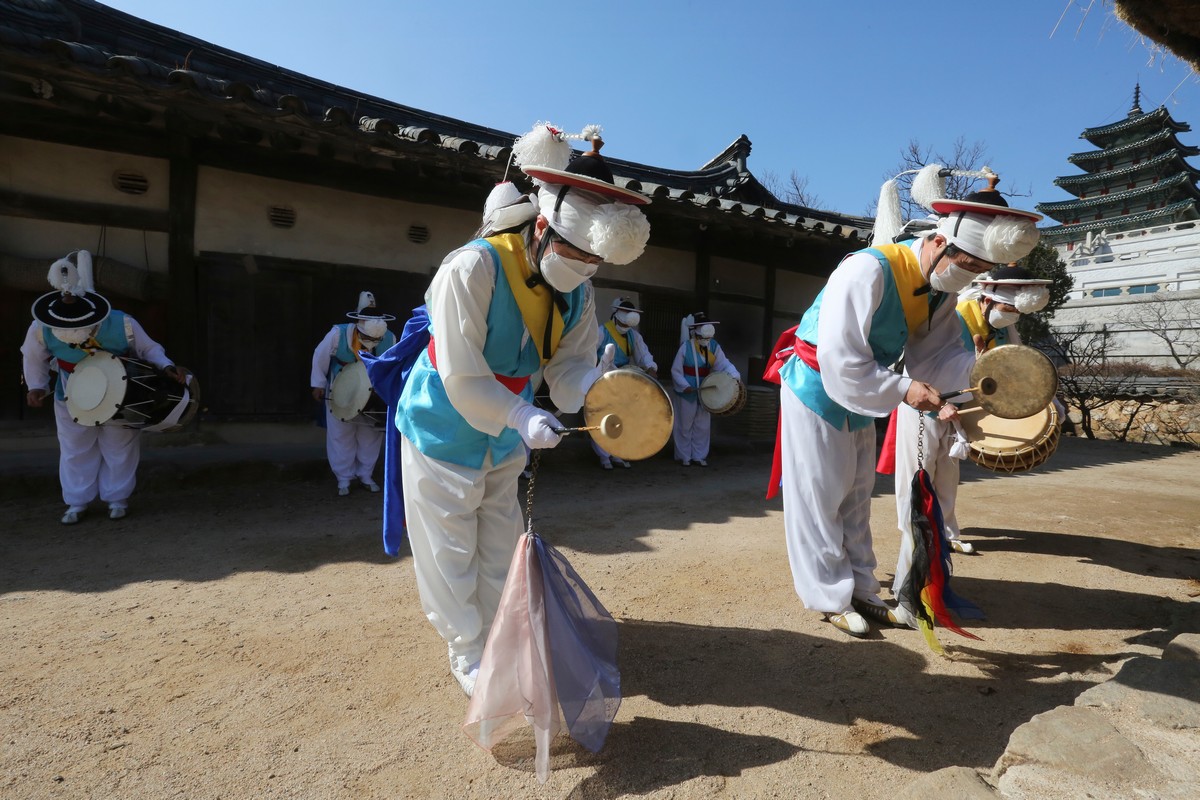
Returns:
(624, 464)
(966, 548)
(371, 486)
(851, 622)
(606, 465)
(903, 617)
(702, 462)
(71, 517)
(685, 463)
(466, 680)
(343, 491)
(117, 512)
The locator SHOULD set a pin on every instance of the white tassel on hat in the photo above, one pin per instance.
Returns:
(928, 186)
(887, 214)
(73, 277)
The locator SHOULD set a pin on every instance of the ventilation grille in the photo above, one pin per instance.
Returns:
(282, 216)
(131, 182)
(418, 234)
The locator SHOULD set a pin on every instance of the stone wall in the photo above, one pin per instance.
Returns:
(1149, 421)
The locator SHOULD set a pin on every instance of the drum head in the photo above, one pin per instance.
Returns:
(96, 388)
(643, 407)
(1021, 379)
(718, 391)
(349, 392)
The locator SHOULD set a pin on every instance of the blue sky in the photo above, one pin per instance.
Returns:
(832, 91)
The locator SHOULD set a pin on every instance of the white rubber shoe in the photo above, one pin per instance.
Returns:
(851, 622)
(966, 548)
(117, 512)
(466, 680)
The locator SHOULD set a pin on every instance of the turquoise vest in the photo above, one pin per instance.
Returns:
(621, 359)
(694, 358)
(425, 415)
(344, 356)
(889, 334)
(110, 336)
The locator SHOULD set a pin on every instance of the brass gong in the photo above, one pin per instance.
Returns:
(642, 408)
(1014, 381)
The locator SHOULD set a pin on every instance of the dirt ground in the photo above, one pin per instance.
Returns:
(250, 639)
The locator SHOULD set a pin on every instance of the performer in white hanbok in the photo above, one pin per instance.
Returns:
(501, 308)
(621, 332)
(70, 324)
(879, 304)
(352, 447)
(698, 355)
(987, 315)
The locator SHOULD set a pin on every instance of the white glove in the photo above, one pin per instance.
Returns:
(535, 426)
(605, 365)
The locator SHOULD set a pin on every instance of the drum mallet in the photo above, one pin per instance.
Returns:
(610, 427)
(985, 387)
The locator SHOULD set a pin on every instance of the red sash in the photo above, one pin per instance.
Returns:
(514, 385)
(808, 354)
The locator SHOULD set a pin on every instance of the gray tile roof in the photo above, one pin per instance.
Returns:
(164, 65)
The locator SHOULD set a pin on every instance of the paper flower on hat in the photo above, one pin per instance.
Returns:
(544, 146)
(618, 233)
(507, 207)
(1009, 238)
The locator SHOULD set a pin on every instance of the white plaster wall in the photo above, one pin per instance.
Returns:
(78, 173)
(331, 225)
(33, 238)
(794, 293)
(657, 267)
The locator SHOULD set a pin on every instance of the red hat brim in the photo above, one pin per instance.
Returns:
(951, 206)
(563, 178)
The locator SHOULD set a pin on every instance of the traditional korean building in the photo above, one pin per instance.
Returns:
(1132, 232)
(237, 208)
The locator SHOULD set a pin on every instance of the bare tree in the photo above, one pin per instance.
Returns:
(793, 190)
(1088, 378)
(1173, 322)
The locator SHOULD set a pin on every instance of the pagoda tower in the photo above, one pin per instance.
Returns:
(1138, 178)
(1131, 238)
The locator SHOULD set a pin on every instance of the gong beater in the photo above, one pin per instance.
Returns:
(1012, 381)
(639, 403)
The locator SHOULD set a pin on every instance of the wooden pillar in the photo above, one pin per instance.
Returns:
(768, 327)
(184, 341)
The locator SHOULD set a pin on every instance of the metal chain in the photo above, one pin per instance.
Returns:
(921, 441)
(534, 459)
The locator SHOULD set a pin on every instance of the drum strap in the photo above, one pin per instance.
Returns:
(514, 385)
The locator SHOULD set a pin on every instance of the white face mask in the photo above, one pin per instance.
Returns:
(73, 335)
(952, 280)
(371, 328)
(565, 274)
(705, 332)
(628, 319)
(1002, 319)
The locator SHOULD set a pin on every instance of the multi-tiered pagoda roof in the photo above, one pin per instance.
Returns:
(1138, 177)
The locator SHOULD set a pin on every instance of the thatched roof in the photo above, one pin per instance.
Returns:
(1174, 24)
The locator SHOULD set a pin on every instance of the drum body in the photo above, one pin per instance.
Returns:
(722, 394)
(642, 406)
(111, 390)
(1010, 445)
(351, 398)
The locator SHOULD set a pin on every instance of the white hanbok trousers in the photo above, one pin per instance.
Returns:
(95, 461)
(463, 527)
(693, 428)
(828, 476)
(943, 472)
(352, 449)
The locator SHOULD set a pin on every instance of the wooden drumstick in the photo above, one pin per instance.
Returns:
(610, 427)
(986, 386)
